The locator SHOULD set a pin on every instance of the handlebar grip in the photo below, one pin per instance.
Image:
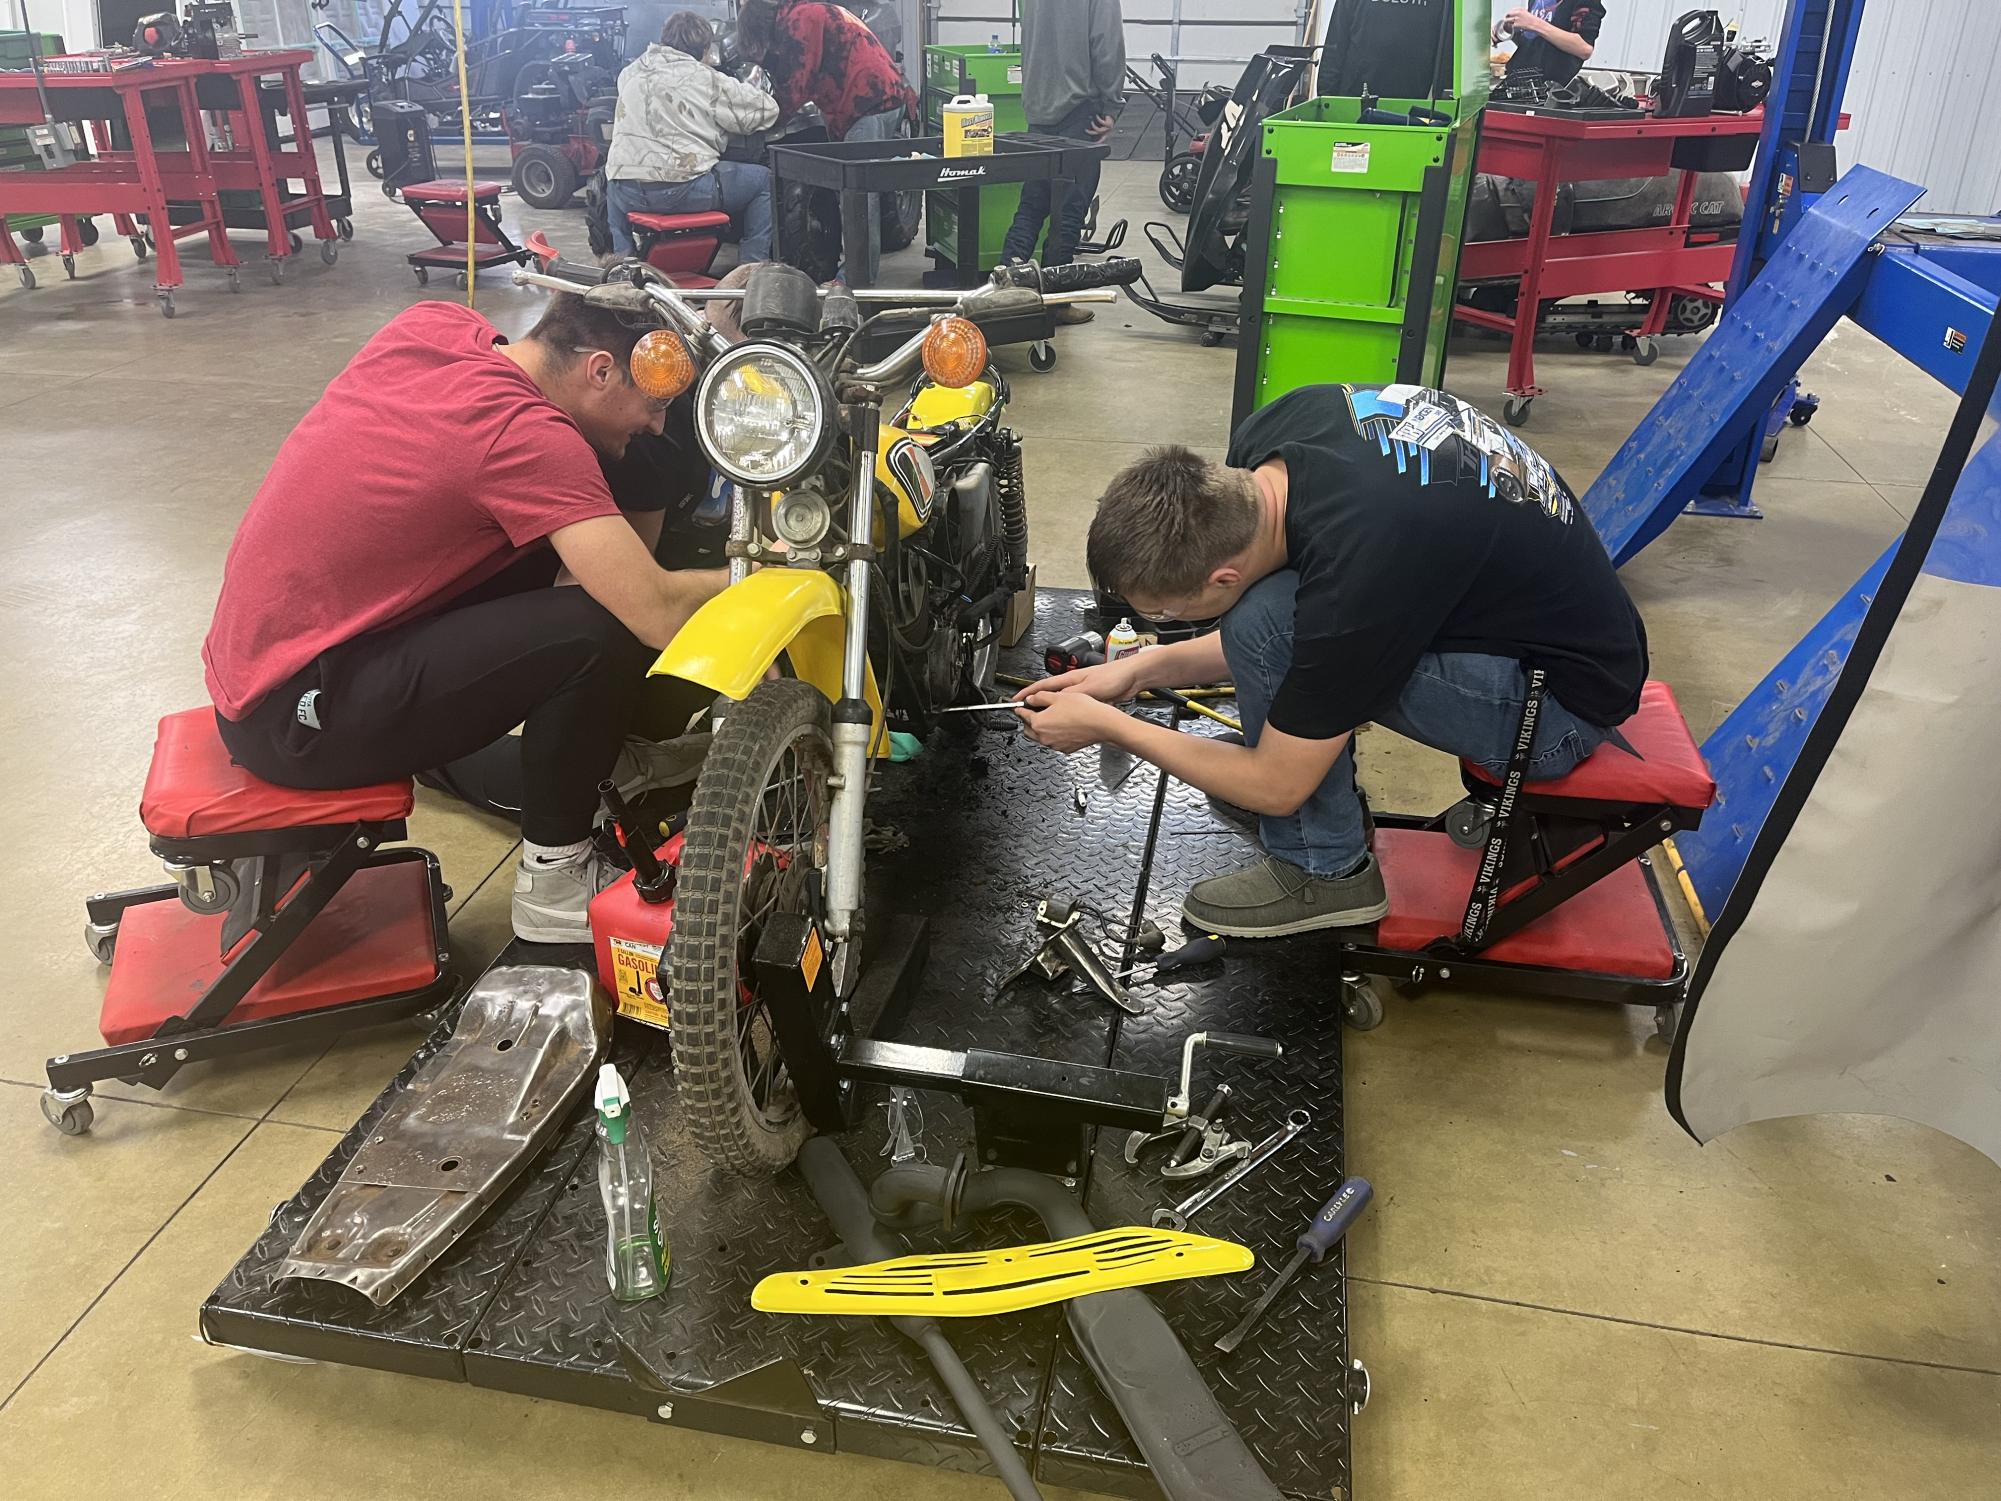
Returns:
(1243, 1042)
(1121, 271)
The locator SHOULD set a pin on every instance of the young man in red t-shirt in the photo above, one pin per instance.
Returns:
(390, 603)
(817, 53)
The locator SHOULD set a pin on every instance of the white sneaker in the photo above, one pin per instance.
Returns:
(552, 902)
(649, 765)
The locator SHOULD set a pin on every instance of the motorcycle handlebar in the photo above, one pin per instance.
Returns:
(1119, 271)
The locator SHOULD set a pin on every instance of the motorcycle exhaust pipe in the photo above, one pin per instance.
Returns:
(845, 1203)
(1192, 1448)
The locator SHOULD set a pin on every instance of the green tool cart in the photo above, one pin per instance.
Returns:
(949, 71)
(1352, 253)
(16, 155)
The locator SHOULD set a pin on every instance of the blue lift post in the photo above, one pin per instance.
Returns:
(1798, 271)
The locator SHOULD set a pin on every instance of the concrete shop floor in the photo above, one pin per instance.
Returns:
(1558, 1293)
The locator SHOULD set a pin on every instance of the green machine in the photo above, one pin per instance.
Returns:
(1351, 255)
(953, 70)
(17, 52)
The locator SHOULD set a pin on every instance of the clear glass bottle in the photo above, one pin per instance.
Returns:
(635, 1252)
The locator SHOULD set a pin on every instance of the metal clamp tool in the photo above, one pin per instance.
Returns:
(1178, 1217)
(1204, 1143)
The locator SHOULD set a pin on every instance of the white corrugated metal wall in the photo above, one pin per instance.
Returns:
(1918, 90)
(1231, 30)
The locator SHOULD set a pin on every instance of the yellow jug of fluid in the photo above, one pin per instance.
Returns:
(969, 125)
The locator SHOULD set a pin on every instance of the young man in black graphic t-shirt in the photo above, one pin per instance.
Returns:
(1553, 38)
(1383, 554)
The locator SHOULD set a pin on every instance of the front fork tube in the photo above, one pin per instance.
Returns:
(852, 722)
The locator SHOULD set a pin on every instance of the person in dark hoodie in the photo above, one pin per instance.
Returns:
(1073, 54)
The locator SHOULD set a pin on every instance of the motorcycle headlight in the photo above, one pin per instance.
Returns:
(765, 414)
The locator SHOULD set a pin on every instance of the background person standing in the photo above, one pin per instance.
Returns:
(1073, 55)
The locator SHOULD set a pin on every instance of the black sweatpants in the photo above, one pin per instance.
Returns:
(420, 696)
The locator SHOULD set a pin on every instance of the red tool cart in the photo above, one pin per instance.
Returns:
(124, 183)
(131, 174)
(1551, 148)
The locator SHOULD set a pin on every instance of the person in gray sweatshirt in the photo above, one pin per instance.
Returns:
(1073, 56)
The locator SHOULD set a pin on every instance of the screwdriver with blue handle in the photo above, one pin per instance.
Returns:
(1322, 1233)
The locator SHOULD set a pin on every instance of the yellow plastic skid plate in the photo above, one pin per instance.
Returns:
(965, 1284)
(730, 643)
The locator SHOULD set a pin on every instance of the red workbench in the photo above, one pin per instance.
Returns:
(1549, 149)
(138, 177)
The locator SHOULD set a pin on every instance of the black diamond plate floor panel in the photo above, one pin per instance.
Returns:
(977, 830)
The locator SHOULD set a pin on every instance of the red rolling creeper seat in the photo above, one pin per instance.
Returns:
(441, 205)
(286, 921)
(682, 246)
(1576, 911)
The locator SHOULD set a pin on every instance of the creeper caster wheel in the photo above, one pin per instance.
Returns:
(101, 938)
(68, 1110)
(345, 228)
(1667, 1022)
(1468, 823)
(1361, 1006)
(423, 277)
(460, 281)
(1042, 355)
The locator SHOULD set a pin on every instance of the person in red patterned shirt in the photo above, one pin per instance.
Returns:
(818, 53)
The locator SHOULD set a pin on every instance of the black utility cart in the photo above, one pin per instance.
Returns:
(856, 169)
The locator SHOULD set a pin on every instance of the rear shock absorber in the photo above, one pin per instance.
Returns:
(1011, 494)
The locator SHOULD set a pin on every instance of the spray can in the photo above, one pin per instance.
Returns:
(969, 125)
(635, 1254)
(1122, 642)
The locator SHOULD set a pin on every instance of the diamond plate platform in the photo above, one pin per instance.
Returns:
(520, 1303)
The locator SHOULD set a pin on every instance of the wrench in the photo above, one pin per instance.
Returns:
(1178, 1217)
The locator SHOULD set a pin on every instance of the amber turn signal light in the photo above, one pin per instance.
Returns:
(955, 352)
(661, 366)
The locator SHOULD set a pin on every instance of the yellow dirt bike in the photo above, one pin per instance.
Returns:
(871, 565)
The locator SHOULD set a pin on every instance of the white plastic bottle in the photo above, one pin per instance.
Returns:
(635, 1253)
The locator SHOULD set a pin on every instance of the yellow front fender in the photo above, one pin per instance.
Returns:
(730, 643)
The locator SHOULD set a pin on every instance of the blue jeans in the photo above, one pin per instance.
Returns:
(882, 127)
(1464, 703)
(740, 189)
(1066, 227)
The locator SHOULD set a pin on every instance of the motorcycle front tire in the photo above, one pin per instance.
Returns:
(731, 1127)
